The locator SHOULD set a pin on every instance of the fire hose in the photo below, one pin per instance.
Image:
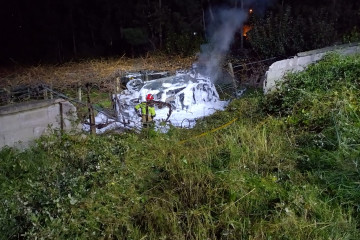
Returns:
(161, 105)
(211, 131)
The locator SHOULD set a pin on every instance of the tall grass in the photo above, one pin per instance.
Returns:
(287, 168)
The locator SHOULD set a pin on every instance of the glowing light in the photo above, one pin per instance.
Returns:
(246, 28)
(250, 11)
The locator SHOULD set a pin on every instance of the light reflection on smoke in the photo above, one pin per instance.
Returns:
(224, 23)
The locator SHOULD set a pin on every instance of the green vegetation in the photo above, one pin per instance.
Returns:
(288, 168)
(289, 31)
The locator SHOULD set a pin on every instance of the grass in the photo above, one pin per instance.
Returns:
(286, 169)
(96, 71)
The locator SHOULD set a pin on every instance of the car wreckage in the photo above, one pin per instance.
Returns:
(179, 101)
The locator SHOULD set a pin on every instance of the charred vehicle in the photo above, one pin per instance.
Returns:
(183, 94)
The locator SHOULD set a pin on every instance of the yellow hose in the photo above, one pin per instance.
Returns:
(214, 130)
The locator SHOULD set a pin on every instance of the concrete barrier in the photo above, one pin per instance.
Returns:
(279, 69)
(22, 123)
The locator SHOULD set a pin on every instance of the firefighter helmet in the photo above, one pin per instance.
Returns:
(149, 97)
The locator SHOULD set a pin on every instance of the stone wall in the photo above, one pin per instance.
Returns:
(298, 63)
(22, 123)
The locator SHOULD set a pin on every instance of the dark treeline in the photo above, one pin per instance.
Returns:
(61, 30)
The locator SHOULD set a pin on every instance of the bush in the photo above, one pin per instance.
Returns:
(319, 106)
(286, 33)
(184, 44)
(332, 72)
(291, 174)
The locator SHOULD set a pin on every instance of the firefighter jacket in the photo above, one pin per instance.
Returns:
(146, 109)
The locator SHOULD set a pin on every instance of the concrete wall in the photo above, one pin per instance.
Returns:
(279, 69)
(22, 123)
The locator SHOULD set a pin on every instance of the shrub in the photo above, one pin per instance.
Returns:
(287, 175)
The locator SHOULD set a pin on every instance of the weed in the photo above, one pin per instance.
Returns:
(287, 168)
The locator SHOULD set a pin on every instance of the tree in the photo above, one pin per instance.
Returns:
(285, 33)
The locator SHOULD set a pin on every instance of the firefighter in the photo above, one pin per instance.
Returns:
(146, 110)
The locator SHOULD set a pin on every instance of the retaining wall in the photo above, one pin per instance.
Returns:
(279, 69)
(22, 123)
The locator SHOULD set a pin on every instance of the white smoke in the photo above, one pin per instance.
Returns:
(224, 23)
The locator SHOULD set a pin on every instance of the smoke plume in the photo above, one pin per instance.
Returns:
(224, 23)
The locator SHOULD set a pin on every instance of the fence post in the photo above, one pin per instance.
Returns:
(231, 69)
(45, 94)
(7, 95)
(114, 95)
(117, 85)
(51, 93)
(61, 118)
(79, 92)
(91, 111)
